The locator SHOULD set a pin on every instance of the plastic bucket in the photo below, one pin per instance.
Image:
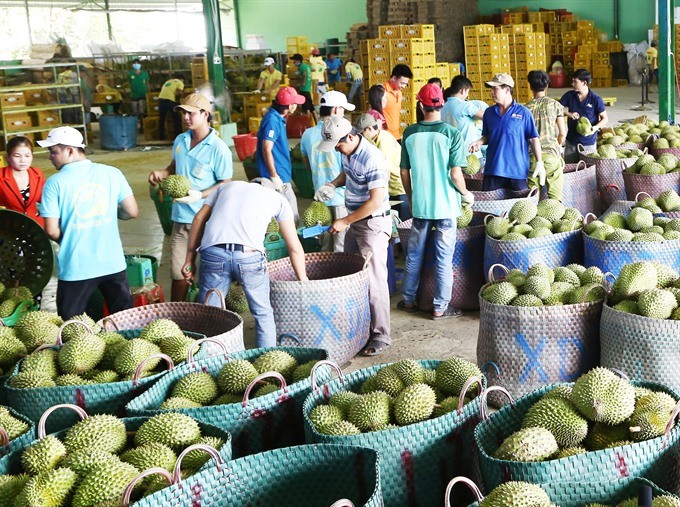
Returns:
(118, 132)
(245, 145)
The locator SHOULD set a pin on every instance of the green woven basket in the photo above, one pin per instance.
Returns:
(109, 398)
(163, 205)
(262, 423)
(23, 308)
(416, 461)
(654, 459)
(302, 177)
(20, 441)
(301, 476)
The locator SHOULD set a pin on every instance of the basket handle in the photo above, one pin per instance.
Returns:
(43, 418)
(671, 422)
(609, 283)
(583, 297)
(464, 390)
(532, 192)
(177, 472)
(645, 150)
(223, 306)
(639, 194)
(146, 473)
(464, 480)
(195, 346)
(68, 323)
(581, 149)
(262, 376)
(490, 276)
(581, 165)
(366, 261)
(4, 436)
(294, 338)
(138, 370)
(619, 373)
(343, 502)
(485, 395)
(334, 366)
(574, 223)
(586, 218)
(106, 320)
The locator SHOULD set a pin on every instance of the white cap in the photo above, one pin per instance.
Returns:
(67, 136)
(336, 99)
(268, 61)
(332, 130)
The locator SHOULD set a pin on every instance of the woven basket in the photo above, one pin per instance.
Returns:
(416, 461)
(650, 184)
(643, 195)
(648, 348)
(651, 458)
(580, 188)
(26, 256)
(163, 204)
(7, 446)
(536, 345)
(331, 310)
(404, 231)
(608, 172)
(473, 182)
(258, 424)
(657, 152)
(213, 322)
(497, 202)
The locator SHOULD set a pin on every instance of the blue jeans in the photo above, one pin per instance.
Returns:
(219, 267)
(444, 245)
(357, 88)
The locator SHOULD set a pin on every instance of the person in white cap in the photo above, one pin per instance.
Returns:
(509, 130)
(201, 156)
(364, 176)
(81, 205)
(270, 77)
(326, 166)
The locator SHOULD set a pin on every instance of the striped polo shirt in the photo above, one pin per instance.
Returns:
(365, 170)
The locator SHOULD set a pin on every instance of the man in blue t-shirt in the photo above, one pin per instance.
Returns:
(273, 154)
(508, 129)
(582, 102)
(461, 113)
(82, 204)
(333, 69)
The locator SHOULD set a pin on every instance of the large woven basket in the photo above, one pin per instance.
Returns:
(648, 348)
(416, 461)
(580, 188)
(536, 345)
(258, 424)
(608, 172)
(19, 442)
(217, 323)
(26, 256)
(473, 182)
(497, 202)
(329, 311)
(650, 184)
(301, 476)
(657, 152)
(651, 459)
(163, 204)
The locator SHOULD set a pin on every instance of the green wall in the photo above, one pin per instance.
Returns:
(317, 19)
(635, 16)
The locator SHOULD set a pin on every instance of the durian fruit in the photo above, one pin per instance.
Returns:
(170, 428)
(81, 353)
(371, 411)
(104, 432)
(13, 427)
(466, 216)
(41, 362)
(158, 329)
(388, 380)
(132, 353)
(235, 376)
(323, 415)
(11, 348)
(38, 328)
(409, 371)
(635, 278)
(83, 461)
(276, 360)
(267, 388)
(72, 330)
(343, 400)
(150, 455)
(528, 444)
(570, 451)
(560, 417)
(236, 299)
(341, 428)
(104, 483)
(176, 186)
(516, 494)
(176, 402)
(176, 347)
(197, 386)
(522, 212)
(602, 436)
(414, 404)
(316, 213)
(453, 373)
(30, 380)
(651, 416)
(473, 164)
(304, 370)
(11, 486)
(602, 396)
(43, 455)
(500, 293)
(48, 488)
(193, 460)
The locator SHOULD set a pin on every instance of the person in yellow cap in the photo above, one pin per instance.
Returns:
(201, 156)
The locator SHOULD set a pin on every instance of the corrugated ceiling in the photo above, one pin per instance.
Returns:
(117, 5)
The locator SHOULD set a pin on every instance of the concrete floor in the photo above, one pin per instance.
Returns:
(414, 336)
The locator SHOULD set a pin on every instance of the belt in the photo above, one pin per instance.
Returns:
(233, 247)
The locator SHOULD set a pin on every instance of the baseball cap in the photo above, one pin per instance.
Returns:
(268, 61)
(194, 103)
(287, 96)
(431, 95)
(332, 130)
(67, 136)
(501, 79)
(336, 99)
(315, 52)
(364, 121)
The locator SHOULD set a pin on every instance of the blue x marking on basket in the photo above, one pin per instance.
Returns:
(326, 323)
(532, 356)
(563, 344)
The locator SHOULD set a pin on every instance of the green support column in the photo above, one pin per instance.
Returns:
(666, 63)
(213, 32)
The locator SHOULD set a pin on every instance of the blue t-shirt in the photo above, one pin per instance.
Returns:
(461, 114)
(334, 70)
(206, 164)
(365, 169)
(84, 196)
(325, 165)
(591, 108)
(507, 154)
(273, 128)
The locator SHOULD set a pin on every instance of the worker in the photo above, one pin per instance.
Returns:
(333, 70)
(201, 156)
(652, 56)
(81, 205)
(364, 176)
(508, 129)
(318, 65)
(168, 99)
(270, 77)
(355, 76)
(579, 102)
(377, 100)
(398, 80)
(139, 83)
(228, 232)
(21, 184)
(273, 153)
(461, 113)
(304, 73)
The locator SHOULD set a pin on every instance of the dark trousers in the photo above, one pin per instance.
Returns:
(403, 208)
(496, 182)
(72, 297)
(166, 107)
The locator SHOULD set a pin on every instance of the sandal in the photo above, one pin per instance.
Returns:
(374, 347)
(401, 305)
(449, 312)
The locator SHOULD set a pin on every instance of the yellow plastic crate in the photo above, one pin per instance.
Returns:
(254, 123)
(417, 31)
(389, 31)
(454, 70)
(418, 74)
(473, 30)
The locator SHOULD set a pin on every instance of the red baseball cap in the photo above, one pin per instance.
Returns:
(287, 96)
(431, 95)
(315, 52)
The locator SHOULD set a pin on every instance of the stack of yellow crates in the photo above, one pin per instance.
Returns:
(375, 61)
(527, 53)
(297, 44)
(486, 53)
(199, 71)
(601, 70)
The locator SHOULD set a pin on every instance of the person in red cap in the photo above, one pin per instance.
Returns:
(432, 155)
(318, 65)
(273, 154)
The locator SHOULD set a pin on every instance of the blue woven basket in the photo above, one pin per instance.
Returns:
(497, 202)
(301, 476)
(655, 459)
(416, 461)
(580, 188)
(263, 423)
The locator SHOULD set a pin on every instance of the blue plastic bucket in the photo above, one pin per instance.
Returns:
(118, 132)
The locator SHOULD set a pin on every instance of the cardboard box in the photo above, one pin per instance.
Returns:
(47, 118)
(14, 99)
(33, 97)
(16, 122)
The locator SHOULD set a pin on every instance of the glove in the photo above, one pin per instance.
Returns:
(468, 198)
(278, 183)
(539, 172)
(325, 193)
(194, 195)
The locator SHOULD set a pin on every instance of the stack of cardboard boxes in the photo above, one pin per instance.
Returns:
(21, 120)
